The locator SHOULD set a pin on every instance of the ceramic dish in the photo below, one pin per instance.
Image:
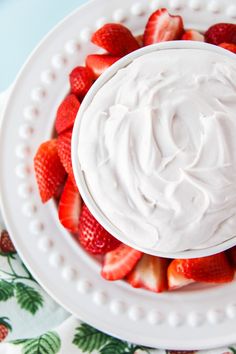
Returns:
(80, 177)
(193, 318)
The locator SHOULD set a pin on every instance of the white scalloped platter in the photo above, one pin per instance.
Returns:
(195, 318)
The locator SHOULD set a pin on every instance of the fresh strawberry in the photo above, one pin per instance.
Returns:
(6, 245)
(211, 269)
(150, 273)
(92, 236)
(66, 113)
(49, 171)
(162, 26)
(98, 63)
(221, 33)
(231, 254)
(69, 207)
(192, 35)
(139, 39)
(176, 278)
(64, 150)
(229, 46)
(118, 263)
(5, 327)
(81, 79)
(116, 39)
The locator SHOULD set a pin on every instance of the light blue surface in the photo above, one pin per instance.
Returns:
(23, 23)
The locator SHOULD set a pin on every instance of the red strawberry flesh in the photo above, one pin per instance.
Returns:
(192, 35)
(162, 26)
(92, 236)
(81, 79)
(66, 113)
(98, 63)
(229, 46)
(49, 171)
(150, 273)
(221, 33)
(64, 150)
(118, 263)
(116, 39)
(211, 269)
(69, 207)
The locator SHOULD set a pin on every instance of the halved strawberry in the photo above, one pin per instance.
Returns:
(229, 46)
(221, 33)
(92, 236)
(150, 273)
(118, 263)
(211, 269)
(98, 63)
(66, 113)
(176, 278)
(162, 26)
(231, 254)
(115, 39)
(139, 39)
(49, 171)
(69, 207)
(192, 35)
(64, 150)
(81, 79)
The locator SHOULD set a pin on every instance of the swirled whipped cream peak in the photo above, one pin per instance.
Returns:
(157, 146)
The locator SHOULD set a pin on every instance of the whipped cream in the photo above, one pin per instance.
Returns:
(158, 149)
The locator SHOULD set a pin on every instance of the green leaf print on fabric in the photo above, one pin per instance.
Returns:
(28, 298)
(6, 290)
(233, 350)
(114, 347)
(48, 343)
(89, 339)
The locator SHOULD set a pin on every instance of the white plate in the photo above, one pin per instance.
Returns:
(194, 318)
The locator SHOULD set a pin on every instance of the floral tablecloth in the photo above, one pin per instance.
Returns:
(32, 323)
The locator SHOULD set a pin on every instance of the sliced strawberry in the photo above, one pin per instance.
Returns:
(70, 206)
(150, 273)
(49, 171)
(162, 26)
(231, 254)
(64, 150)
(118, 263)
(115, 39)
(139, 39)
(92, 236)
(81, 79)
(221, 33)
(211, 269)
(175, 278)
(66, 113)
(229, 46)
(98, 63)
(192, 35)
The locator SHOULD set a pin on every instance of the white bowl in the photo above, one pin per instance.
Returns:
(80, 177)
